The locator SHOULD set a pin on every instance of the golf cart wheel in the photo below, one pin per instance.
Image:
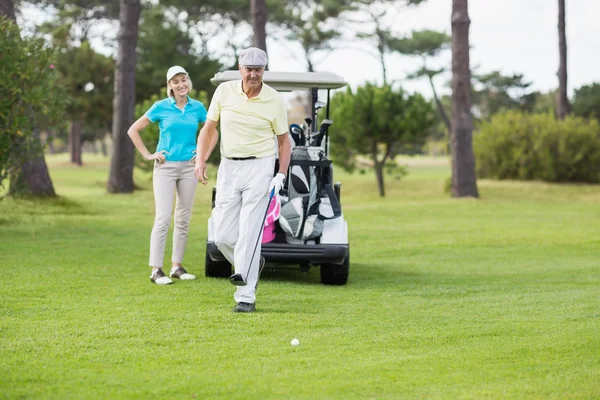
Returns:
(216, 269)
(335, 274)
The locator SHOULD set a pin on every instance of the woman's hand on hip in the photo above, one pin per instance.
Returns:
(158, 156)
(200, 171)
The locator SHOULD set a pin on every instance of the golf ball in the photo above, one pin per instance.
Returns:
(295, 342)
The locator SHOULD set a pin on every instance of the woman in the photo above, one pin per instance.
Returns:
(178, 117)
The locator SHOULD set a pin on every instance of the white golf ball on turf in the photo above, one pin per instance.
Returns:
(295, 342)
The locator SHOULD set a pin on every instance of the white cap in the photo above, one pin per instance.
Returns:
(253, 57)
(174, 70)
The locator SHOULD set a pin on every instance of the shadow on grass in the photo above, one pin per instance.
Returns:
(362, 276)
(15, 209)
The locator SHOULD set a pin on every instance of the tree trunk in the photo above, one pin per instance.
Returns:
(380, 181)
(378, 167)
(121, 167)
(258, 9)
(564, 107)
(75, 141)
(464, 182)
(7, 8)
(32, 178)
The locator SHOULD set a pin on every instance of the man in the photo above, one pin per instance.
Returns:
(250, 113)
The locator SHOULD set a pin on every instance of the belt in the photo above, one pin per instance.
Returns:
(241, 158)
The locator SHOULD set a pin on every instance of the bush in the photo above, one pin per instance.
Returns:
(513, 145)
(151, 134)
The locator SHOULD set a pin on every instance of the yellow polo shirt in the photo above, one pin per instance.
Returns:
(248, 125)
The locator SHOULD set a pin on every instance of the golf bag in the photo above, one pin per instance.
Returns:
(309, 182)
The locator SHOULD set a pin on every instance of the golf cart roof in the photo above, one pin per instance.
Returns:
(288, 81)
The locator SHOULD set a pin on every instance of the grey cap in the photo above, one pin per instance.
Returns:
(253, 57)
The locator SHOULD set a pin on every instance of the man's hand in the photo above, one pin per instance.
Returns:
(200, 171)
(277, 183)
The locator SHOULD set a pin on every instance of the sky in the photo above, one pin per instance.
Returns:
(512, 36)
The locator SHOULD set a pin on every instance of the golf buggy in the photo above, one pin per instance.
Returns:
(310, 229)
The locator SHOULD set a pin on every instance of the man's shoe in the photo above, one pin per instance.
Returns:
(242, 307)
(181, 273)
(160, 278)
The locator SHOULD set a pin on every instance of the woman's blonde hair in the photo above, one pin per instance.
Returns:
(170, 93)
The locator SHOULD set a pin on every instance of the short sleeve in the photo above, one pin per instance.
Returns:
(201, 113)
(280, 122)
(214, 110)
(153, 113)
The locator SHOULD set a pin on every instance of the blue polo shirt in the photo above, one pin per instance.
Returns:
(177, 128)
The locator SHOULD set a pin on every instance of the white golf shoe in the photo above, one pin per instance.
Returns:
(160, 278)
(181, 273)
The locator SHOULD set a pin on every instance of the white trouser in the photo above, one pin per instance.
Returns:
(240, 206)
(168, 178)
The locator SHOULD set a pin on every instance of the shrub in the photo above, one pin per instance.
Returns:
(514, 145)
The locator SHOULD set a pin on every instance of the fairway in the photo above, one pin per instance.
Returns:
(496, 298)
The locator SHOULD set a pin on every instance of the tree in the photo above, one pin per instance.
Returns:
(496, 92)
(208, 18)
(162, 43)
(586, 102)
(86, 73)
(563, 100)
(379, 36)
(426, 44)
(121, 167)
(30, 177)
(315, 25)
(374, 121)
(258, 9)
(464, 182)
(88, 76)
(310, 23)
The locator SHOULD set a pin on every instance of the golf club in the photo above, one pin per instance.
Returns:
(238, 279)
(308, 123)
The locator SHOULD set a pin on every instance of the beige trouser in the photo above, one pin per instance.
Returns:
(240, 207)
(168, 178)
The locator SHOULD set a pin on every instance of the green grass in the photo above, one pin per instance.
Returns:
(491, 298)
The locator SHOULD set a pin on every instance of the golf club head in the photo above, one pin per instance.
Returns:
(326, 124)
(296, 132)
(237, 280)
